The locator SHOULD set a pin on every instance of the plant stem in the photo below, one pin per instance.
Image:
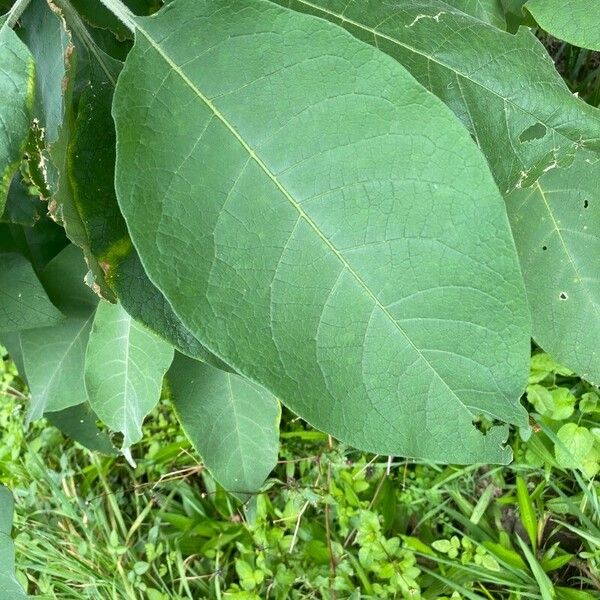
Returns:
(15, 12)
(122, 12)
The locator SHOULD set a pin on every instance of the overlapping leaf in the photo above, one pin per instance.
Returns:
(49, 42)
(575, 21)
(54, 356)
(556, 225)
(232, 422)
(23, 302)
(327, 249)
(79, 423)
(124, 367)
(503, 87)
(17, 93)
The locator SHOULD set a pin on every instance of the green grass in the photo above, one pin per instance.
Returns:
(331, 523)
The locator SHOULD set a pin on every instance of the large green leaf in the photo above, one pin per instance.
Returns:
(54, 356)
(49, 42)
(17, 88)
(503, 87)
(308, 213)
(232, 422)
(124, 367)
(556, 225)
(575, 21)
(23, 302)
(9, 585)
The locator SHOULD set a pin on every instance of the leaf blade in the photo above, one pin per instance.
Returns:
(576, 22)
(245, 305)
(555, 224)
(483, 75)
(232, 422)
(24, 303)
(17, 83)
(124, 367)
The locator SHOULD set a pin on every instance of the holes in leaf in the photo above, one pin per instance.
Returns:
(544, 247)
(563, 296)
(585, 204)
(483, 423)
(535, 132)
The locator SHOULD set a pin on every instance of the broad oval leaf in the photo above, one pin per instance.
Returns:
(575, 21)
(124, 368)
(503, 87)
(54, 356)
(232, 422)
(24, 303)
(308, 213)
(17, 88)
(556, 225)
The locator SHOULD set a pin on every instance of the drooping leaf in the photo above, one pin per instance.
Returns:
(145, 303)
(556, 225)
(9, 586)
(17, 88)
(64, 204)
(575, 21)
(327, 250)
(124, 367)
(23, 302)
(96, 14)
(21, 208)
(79, 423)
(91, 166)
(484, 75)
(232, 422)
(54, 356)
(46, 37)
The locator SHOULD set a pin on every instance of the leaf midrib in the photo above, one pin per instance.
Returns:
(295, 204)
(375, 33)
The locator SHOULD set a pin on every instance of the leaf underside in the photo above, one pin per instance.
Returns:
(575, 21)
(17, 92)
(124, 367)
(556, 225)
(232, 422)
(503, 87)
(313, 252)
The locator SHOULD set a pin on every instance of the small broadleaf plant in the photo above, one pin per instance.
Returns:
(361, 210)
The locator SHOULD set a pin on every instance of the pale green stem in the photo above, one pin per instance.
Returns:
(122, 12)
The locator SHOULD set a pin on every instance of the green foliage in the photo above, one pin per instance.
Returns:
(124, 367)
(280, 324)
(16, 90)
(231, 421)
(575, 21)
(397, 529)
(362, 210)
(554, 224)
